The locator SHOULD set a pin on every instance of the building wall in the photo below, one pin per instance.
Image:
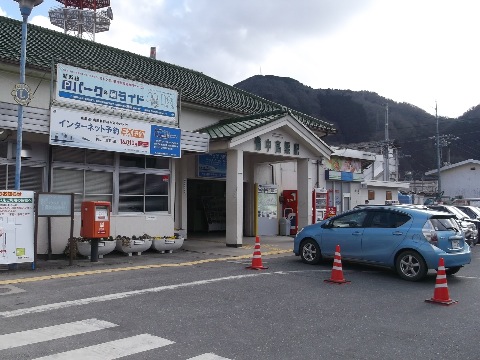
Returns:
(462, 180)
(128, 224)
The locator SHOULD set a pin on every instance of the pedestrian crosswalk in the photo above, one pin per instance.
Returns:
(110, 350)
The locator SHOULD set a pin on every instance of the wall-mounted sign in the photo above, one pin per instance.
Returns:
(347, 165)
(212, 165)
(16, 227)
(80, 129)
(342, 176)
(77, 85)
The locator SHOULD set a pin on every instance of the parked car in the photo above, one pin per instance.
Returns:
(470, 227)
(472, 211)
(474, 214)
(407, 239)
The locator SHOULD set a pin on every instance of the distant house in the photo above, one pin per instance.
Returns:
(460, 179)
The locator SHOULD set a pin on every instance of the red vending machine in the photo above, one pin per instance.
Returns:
(319, 204)
(290, 209)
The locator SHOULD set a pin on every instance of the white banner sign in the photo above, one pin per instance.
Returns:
(16, 226)
(77, 85)
(80, 129)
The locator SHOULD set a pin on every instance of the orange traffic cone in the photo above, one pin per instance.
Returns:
(337, 272)
(440, 294)
(257, 257)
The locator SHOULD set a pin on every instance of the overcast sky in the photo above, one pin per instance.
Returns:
(417, 51)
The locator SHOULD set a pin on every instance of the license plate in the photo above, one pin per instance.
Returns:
(456, 244)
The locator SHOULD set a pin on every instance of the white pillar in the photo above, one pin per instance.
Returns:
(305, 188)
(234, 198)
(181, 193)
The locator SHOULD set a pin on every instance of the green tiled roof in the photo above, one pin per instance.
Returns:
(226, 129)
(45, 46)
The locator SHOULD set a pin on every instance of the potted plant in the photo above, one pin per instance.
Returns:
(105, 246)
(166, 244)
(135, 244)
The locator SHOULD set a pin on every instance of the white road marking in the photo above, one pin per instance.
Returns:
(34, 336)
(10, 290)
(113, 349)
(208, 356)
(116, 296)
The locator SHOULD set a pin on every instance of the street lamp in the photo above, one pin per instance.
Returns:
(21, 92)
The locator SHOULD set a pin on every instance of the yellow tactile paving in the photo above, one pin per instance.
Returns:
(129, 268)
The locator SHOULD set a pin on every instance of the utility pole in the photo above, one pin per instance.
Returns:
(439, 181)
(386, 169)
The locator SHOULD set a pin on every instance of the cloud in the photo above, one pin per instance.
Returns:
(406, 50)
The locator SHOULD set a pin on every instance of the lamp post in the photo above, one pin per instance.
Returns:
(439, 162)
(21, 92)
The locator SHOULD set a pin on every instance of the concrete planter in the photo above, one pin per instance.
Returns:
(104, 248)
(167, 245)
(133, 246)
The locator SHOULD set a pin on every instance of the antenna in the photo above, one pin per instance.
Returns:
(82, 18)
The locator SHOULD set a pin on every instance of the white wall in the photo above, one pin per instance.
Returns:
(461, 180)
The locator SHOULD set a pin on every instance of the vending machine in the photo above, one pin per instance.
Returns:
(319, 204)
(290, 209)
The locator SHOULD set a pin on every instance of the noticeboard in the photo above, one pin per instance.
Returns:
(51, 204)
(16, 226)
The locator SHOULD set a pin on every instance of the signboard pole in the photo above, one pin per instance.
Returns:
(70, 240)
(35, 233)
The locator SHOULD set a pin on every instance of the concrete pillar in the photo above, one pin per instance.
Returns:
(181, 194)
(234, 198)
(305, 188)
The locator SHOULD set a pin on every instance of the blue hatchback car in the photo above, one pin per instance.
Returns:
(404, 238)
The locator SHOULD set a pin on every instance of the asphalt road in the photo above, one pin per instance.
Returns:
(220, 310)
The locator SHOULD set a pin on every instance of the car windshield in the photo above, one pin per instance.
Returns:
(469, 211)
(460, 214)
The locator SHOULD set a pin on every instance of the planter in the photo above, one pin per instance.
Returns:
(104, 247)
(133, 246)
(167, 245)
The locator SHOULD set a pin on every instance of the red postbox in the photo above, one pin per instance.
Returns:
(95, 219)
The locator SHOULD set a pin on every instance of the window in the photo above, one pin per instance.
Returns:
(355, 219)
(86, 185)
(30, 177)
(387, 219)
(388, 195)
(139, 182)
(32, 173)
(371, 195)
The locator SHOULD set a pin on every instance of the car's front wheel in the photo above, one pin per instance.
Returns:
(310, 252)
(411, 266)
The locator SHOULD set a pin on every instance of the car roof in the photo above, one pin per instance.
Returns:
(408, 208)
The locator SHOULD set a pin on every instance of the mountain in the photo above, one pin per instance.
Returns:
(360, 118)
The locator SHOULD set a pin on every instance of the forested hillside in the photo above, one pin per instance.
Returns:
(360, 117)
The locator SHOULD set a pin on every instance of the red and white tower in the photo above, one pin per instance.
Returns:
(82, 18)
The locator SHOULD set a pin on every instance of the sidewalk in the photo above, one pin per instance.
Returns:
(195, 248)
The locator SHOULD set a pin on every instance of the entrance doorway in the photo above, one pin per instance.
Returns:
(206, 206)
